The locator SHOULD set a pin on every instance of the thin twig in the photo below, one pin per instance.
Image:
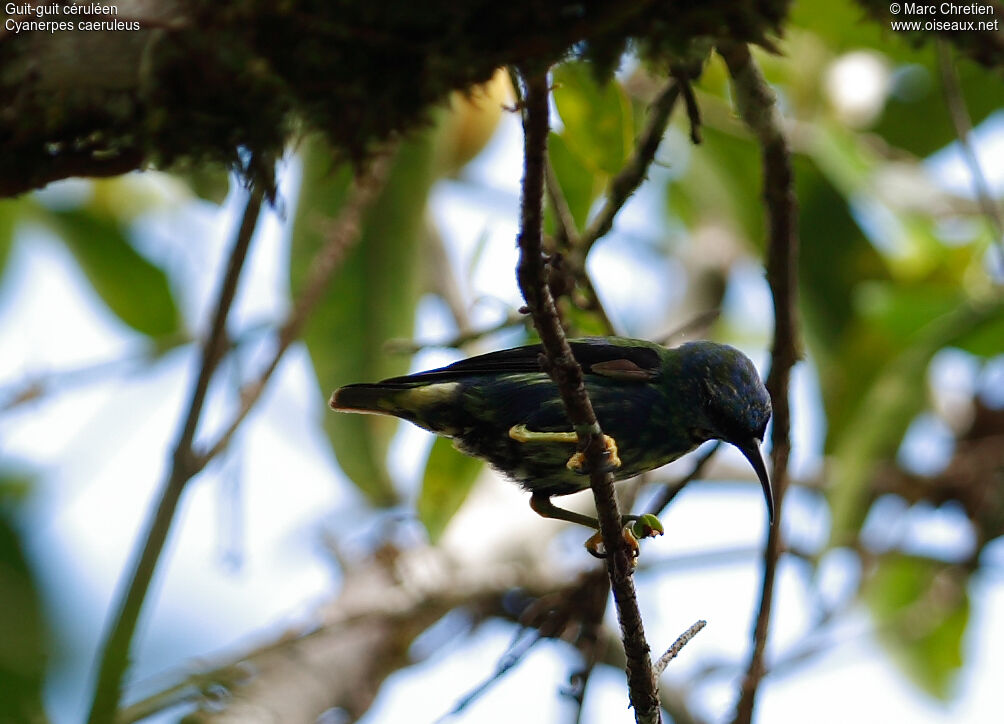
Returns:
(567, 375)
(696, 325)
(630, 177)
(568, 234)
(342, 235)
(693, 110)
(518, 649)
(671, 490)
(673, 651)
(757, 105)
(963, 128)
(441, 277)
(410, 346)
(593, 301)
(118, 642)
(568, 242)
(187, 462)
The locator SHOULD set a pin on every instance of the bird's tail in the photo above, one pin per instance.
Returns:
(377, 399)
(432, 406)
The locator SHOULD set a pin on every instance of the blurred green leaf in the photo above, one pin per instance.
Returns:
(915, 117)
(371, 298)
(921, 609)
(900, 311)
(22, 632)
(10, 213)
(721, 184)
(839, 269)
(579, 185)
(209, 182)
(598, 123)
(918, 93)
(985, 340)
(135, 290)
(448, 479)
(584, 323)
(886, 409)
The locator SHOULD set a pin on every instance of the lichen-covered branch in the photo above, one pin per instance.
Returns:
(210, 81)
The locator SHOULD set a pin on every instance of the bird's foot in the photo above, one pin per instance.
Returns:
(611, 461)
(576, 463)
(635, 527)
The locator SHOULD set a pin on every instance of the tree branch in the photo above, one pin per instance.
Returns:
(757, 105)
(629, 178)
(200, 82)
(671, 490)
(342, 235)
(674, 650)
(118, 641)
(567, 375)
(188, 461)
(341, 656)
(963, 128)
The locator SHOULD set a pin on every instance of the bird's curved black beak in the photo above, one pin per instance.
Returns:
(751, 450)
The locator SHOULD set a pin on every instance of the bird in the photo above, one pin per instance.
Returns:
(653, 403)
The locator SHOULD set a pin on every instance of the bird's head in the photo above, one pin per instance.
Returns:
(733, 403)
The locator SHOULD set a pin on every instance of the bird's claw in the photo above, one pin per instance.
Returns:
(635, 527)
(611, 461)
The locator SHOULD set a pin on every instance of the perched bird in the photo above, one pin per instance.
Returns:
(654, 404)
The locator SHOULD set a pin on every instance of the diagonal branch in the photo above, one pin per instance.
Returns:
(567, 375)
(671, 490)
(187, 461)
(674, 650)
(631, 176)
(757, 105)
(963, 129)
(344, 233)
(118, 641)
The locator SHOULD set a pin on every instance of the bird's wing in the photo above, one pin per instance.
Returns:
(622, 361)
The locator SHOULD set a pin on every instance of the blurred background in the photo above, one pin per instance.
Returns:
(890, 598)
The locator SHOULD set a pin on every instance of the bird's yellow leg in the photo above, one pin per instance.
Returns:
(542, 506)
(519, 433)
(645, 526)
(576, 463)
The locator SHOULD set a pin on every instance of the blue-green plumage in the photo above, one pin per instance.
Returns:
(656, 403)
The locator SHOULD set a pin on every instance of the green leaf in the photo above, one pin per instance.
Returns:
(838, 269)
(917, 93)
(370, 299)
(599, 128)
(579, 185)
(209, 182)
(22, 631)
(448, 479)
(10, 213)
(921, 609)
(721, 184)
(889, 404)
(135, 290)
